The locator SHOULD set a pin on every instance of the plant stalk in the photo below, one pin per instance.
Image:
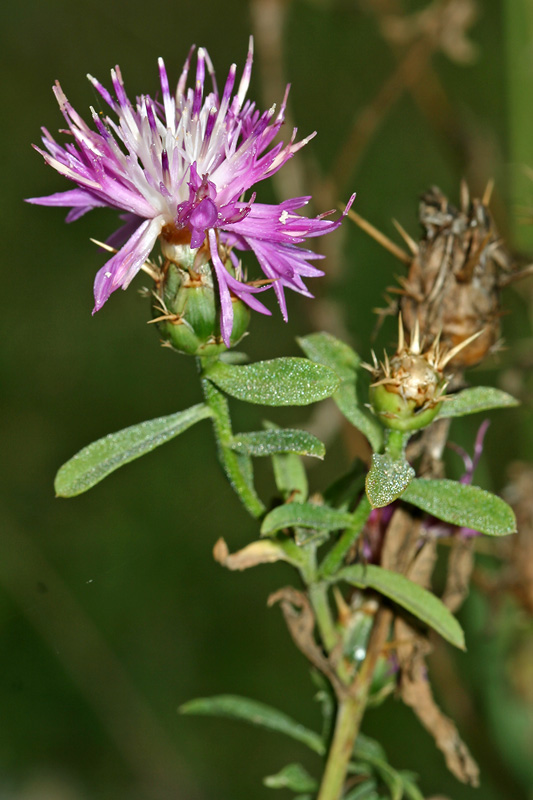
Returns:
(350, 713)
(334, 559)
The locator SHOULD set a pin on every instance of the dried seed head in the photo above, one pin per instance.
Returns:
(454, 281)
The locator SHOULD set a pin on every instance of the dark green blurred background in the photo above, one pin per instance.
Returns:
(112, 610)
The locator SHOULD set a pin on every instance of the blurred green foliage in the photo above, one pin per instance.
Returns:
(112, 610)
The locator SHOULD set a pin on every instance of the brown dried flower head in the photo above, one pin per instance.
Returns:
(457, 271)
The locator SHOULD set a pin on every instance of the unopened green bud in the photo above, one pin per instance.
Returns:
(400, 413)
(188, 311)
(408, 389)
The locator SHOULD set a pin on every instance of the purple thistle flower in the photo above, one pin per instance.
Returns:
(179, 168)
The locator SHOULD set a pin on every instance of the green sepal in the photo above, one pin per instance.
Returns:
(387, 479)
(99, 459)
(419, 602)
(293, 777)
(259, 714)
(279, 382)
(279, 440)
(474, 400)
(352, 394)
(304, 515)
(462, 505)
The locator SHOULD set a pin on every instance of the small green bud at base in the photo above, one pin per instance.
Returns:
(187, 311)
(399, 413)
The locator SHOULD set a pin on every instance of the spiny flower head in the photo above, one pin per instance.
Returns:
(408, 389)
(179, 169)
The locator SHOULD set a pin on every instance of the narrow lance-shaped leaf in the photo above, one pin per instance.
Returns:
(241, 708)
(462, 505)
(409, 595)
(475, 399)
(293, 777)
(352, 394)
(304, 515)
(380, 766)
(280, 382)
(364, 791)
(102, 457)
(387, 479)
(278, 440)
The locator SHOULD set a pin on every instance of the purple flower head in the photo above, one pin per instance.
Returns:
(180, 167)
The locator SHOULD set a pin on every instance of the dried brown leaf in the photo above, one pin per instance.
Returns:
(460, 566)
(300, 621)
(416, 692)
(401, 542)
(262, 552)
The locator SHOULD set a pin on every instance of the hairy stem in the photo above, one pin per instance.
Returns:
(335, 557)
(318, 595)
(350, 713)
(237, 466)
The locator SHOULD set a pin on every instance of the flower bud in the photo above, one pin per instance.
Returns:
(187, 311)
(408, 389)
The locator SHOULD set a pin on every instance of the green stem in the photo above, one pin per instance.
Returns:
(395, 444)
(350, 713)
(318, 595)
(335, 557)
(237, 466)
(349, 716)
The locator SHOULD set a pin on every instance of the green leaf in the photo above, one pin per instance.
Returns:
(99, 459)
(323, 348)
(293, 777)
(241, 708)
(365, 791)
(417, 601)
(462, 505)
(367, 748)
(343, 492)
(410, 788)
(477, 398)
(387, 479)
(352, 394)
(280, 382)
(304, 515)
(270, 442)
(388, 775)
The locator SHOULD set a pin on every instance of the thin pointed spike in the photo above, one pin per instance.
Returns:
(487, 194)
(409, 241)
(458, 347)
(517, 276)
(401, 338)
(415, 338)
(465, 196)
(380, 238)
